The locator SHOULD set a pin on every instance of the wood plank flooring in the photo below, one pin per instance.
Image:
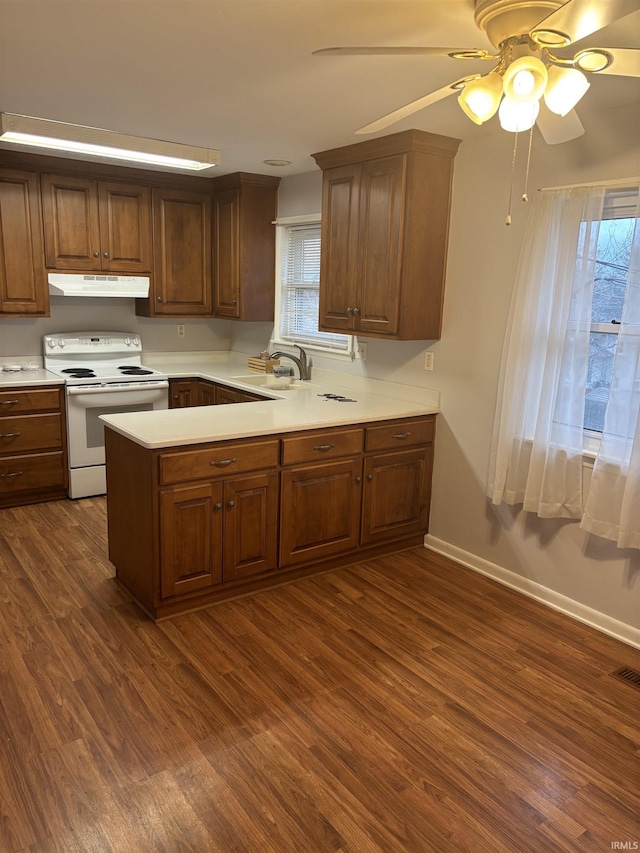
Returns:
(405, 704)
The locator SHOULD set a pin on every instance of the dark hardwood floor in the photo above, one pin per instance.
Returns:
(405, 704)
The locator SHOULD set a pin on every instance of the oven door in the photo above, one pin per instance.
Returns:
(86, 403)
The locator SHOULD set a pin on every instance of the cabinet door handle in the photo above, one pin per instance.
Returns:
(323, 447)
(96, 254)
(217, 506)
(234, 301)
(13, 474)
(222, 463)
(231, 504)
(369, 477)
(358, 480)
(356, 310)
(8, 403)
(401, 435)
(349, 310)
(159, 298)
(106, 254)
(9, 434)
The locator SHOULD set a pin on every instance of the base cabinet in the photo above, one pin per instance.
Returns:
(192, 525)
(320, 511)
(33, 448)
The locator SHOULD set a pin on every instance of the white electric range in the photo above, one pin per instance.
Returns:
(104, 374)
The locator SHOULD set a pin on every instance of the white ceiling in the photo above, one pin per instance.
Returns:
(238, 75)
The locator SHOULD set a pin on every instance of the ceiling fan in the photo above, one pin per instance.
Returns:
(529, 82)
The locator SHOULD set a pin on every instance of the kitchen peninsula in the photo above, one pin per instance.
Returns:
(213, 502)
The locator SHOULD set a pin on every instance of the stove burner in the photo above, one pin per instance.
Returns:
(78, 371)
(135, 371)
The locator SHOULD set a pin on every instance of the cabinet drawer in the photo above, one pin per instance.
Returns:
(33, 400)
(328, 444)
(38, 471)
(399, 435)
(217, 460)
(32, 432)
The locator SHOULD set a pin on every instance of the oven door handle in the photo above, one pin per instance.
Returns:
(125, 387)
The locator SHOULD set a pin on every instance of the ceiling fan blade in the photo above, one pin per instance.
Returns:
(395, 51)
(556, 129)
(579, 18)
(415, 106)
(626, 62)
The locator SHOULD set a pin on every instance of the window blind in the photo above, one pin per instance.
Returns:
(300, 290)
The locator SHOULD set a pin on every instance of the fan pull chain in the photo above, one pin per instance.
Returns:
(525, 196)
(513, 172)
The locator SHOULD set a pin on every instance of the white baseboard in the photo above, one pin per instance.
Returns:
(613, 627)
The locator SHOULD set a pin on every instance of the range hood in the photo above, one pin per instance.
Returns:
(132, 286)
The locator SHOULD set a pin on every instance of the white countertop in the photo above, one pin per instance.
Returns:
(26, 378)
(287, 411)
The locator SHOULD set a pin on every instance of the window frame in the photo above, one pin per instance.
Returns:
(278, 339)
(614, 205)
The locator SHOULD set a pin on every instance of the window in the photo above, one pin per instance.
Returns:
(612, 259)
(297, 288)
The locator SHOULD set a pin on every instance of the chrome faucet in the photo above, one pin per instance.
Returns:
(303, 366)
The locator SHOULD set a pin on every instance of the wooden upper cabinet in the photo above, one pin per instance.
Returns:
(96, 226)
(182, 255)
(244, 209)
(23, 284)
(385, 221)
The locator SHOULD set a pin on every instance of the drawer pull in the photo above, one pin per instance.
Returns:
(401, 435)
(8, 403)
(222, 463)
(13, 474)
(323, 447)
(9, 435)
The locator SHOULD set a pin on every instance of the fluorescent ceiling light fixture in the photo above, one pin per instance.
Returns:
(480, 98)
(565, 88)
(96, 142)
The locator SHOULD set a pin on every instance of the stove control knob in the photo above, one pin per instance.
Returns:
(51, 343)
(136, 341)
(61, 343)
(127, 341)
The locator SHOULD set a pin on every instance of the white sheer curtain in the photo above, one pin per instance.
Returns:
(538, 440)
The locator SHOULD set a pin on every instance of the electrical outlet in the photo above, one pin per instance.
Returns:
(362, 350)
(428, 360)
(180, 330)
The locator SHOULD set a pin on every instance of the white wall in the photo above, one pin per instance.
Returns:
(21, 337)
(483, 254)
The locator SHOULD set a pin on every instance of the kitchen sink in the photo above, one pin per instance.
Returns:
(274, 383)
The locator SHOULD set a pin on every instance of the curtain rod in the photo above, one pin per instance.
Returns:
(617, 182)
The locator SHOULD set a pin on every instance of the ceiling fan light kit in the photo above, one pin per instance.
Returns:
(516, 116)
(525, 33)
(565, 88)
(480, 98)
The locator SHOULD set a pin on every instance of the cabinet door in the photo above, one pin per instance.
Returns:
(226, 249)
(191, 539)
(382, 190)
(396, 494)
(250, 526)
(23, 286)
(71, 222)
(182, 247)
(183, 393)
(320, 511)
(339, 248)
(226, 395)
(125, 227)
(206, 393)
